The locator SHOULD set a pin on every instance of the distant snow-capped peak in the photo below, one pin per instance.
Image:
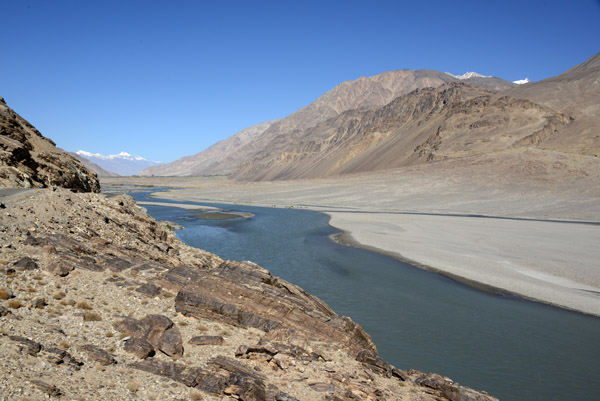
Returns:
(121, 164)
(122, 155)
(522, 81)
(468, 75)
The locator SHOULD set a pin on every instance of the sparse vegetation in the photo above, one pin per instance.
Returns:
(133, 386)
(84, 305)
(15, 304)
(91, 317)
(4, 294)
(59, 295)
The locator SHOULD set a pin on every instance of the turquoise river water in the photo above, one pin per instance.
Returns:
(512, 348)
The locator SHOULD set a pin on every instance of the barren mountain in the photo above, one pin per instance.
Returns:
(362, 93)
(28, 159)
(220, 158)
(429, 124)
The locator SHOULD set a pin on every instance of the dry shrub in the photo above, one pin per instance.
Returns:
(15, 304)
(91, 317)
(84, 305)
(4, 294)
(59, 295)
(133, 386)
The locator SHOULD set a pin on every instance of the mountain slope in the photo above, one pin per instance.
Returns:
(220, 158)
(576, 93)
(28, 159)
(362, 93)
(451, 121)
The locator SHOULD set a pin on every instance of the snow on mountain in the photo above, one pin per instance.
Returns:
(522, 81)
(468, 75)
(121, 164)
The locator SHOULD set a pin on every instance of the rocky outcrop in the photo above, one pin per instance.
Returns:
(205, 294)
(262, 337)
(30, 160)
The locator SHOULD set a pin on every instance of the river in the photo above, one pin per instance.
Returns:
(512, 348)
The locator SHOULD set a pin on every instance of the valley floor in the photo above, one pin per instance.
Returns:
(521, 222)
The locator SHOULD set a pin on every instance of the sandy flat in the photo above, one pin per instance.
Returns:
(400, 212)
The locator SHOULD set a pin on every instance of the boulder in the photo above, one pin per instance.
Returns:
(26, 263)
(157, 331)
(97, 354)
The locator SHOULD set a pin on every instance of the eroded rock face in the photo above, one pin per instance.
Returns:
(30, 160)
(207, 293)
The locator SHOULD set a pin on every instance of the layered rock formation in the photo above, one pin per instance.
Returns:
(28, 159)
(362, 93)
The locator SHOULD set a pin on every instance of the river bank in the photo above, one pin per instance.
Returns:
(425, 214)
(546, 261)
(551, 262)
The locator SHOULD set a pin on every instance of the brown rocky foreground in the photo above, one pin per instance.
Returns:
(99, 301)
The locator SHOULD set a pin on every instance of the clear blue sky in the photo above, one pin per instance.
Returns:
(166, 79)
